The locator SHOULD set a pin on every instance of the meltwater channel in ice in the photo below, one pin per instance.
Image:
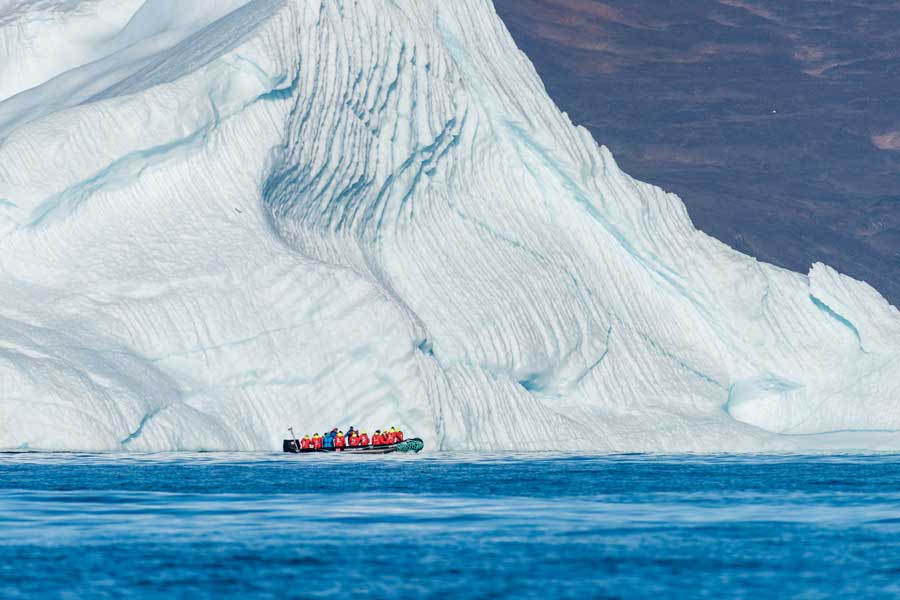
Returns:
(221, 219)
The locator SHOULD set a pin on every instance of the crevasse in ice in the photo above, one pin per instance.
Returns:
(219, 219)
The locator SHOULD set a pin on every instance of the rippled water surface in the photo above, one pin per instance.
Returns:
(225, 525)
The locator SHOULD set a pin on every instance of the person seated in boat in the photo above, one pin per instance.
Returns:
(317, 441)
(376, 438)
(398, 435)
(353, 440)
(304, 443)
(350, 433)
(339, 441)
(364, 439)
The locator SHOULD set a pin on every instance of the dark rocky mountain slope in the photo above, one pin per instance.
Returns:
(778, 123)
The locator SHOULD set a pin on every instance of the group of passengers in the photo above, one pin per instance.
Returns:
(354, 438)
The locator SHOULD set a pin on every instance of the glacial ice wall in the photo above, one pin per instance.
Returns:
(221, 219)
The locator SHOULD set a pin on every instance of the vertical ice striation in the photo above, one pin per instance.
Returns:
(221, 221)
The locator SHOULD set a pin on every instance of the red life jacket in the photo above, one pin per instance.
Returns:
(304, 443)
(399, 435)
(354, 441)
(339, 441)
(391, 438)
(377, 440)
(317, 442)
(363, 440)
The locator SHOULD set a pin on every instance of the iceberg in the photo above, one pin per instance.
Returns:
(220, 219)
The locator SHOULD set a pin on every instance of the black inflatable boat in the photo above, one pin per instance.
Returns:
(410, 445)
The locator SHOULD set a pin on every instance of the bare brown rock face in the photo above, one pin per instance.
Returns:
(778, 123)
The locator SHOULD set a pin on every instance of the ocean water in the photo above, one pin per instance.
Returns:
(430, 526)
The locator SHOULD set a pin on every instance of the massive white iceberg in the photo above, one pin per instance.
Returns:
(219, 219)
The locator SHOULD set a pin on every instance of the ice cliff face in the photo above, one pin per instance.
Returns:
(221, 219)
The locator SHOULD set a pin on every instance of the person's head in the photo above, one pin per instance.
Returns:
(364, 433)
(340, 433)
(377, 431)
(316, 434)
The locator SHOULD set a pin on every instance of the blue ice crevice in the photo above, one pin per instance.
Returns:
(837, 317)
(679, 361)
(130, 166)
(140, 428)
(572, 186)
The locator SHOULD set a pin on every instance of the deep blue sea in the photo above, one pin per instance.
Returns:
(283, 526)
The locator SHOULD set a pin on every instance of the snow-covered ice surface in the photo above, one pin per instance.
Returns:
(218, 219)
